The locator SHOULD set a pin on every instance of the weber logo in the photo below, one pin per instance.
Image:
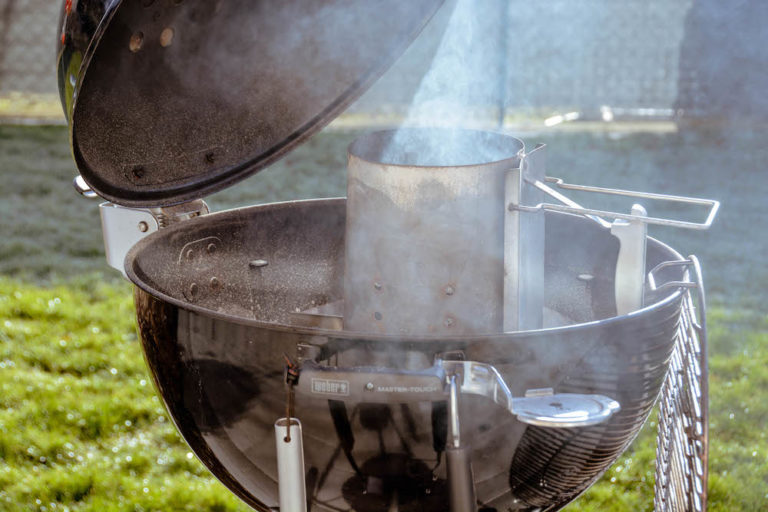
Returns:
(330, 387)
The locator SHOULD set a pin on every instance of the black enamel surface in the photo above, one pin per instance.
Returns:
(169, 101)
(217, 360)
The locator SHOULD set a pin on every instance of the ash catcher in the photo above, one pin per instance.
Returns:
(456, 334)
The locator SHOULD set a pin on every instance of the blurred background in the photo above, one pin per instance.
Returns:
(656, 58)
(656, 95)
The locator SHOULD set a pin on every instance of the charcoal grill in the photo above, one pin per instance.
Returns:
(456, 334)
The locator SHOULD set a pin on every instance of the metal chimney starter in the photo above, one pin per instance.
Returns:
(430, 246)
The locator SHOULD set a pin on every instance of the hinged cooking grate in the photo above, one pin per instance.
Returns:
(682, 442)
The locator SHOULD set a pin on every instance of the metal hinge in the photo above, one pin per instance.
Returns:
(122, 227)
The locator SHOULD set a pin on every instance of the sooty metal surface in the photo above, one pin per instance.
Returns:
(215, 349)
(170, 101)
(414, 196)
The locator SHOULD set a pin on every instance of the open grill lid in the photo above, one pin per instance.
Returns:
(172, 100)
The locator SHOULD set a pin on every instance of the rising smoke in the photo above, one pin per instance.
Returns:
(463, 85)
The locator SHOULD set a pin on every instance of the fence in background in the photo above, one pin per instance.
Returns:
(28, 31)
(520, 58)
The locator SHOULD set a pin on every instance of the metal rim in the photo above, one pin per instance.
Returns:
(354, 150)
(344, 334)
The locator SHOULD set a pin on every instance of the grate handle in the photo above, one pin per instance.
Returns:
(682, 444)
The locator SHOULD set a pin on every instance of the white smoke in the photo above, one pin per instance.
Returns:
(462, 87)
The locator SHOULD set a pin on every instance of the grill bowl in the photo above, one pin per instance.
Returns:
(214, 327)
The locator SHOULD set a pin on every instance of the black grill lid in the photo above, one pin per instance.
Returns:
(177, 99)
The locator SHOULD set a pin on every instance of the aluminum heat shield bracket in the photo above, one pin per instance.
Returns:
(524, 245)
(123, 227)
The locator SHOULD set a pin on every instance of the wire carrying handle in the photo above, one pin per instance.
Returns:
(570, 206)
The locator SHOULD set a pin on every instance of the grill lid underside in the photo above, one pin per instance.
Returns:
(177, 100)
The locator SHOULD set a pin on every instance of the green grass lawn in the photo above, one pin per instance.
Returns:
(82, 429)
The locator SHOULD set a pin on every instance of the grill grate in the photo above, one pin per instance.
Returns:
(682, 442)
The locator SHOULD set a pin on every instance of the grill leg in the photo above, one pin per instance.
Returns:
(461, 483)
